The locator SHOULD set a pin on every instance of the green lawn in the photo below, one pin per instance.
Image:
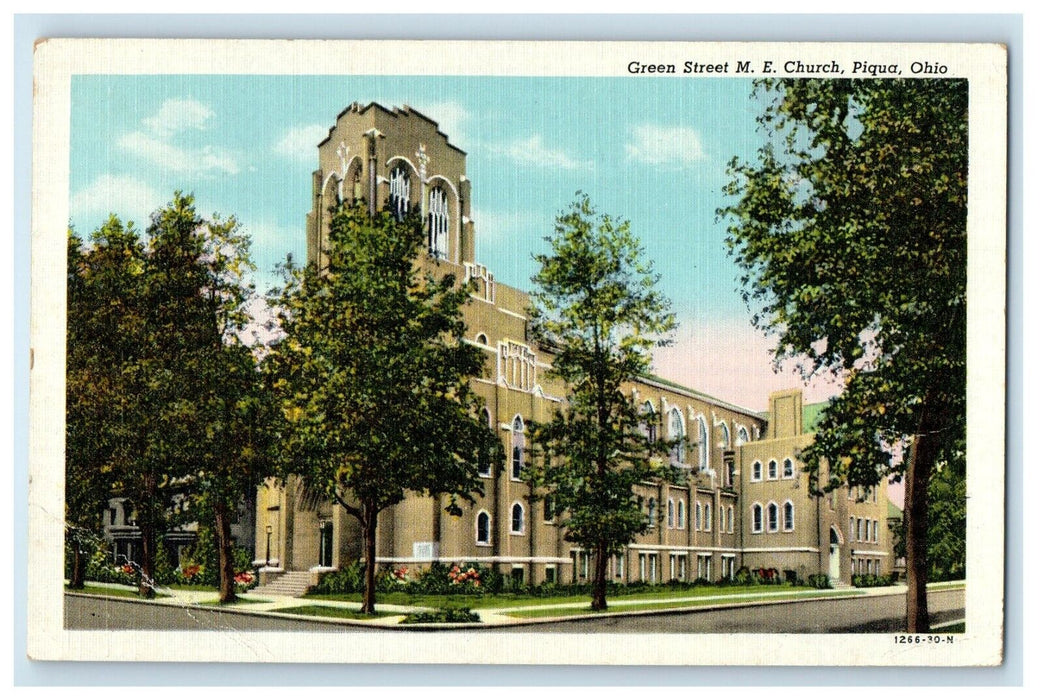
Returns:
(946, 586)
(188, 587)
(559, 612)
(513, 600)
(116, 592)
(326, 611)
(238, 601)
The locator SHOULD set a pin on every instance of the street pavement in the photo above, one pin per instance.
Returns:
(875, 610)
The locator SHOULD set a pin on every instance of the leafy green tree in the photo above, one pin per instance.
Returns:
(850, 230)
(103, 323)
(373, 375)
(947, 524)
(228, 426)
(164, 399)
(107, 387)
(597, 306)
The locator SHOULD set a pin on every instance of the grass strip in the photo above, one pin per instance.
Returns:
(329, 611)
(507, 600)
(115, 592)
(668, 605)
(237, 601)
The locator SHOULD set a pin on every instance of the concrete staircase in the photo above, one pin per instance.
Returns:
(293, 584)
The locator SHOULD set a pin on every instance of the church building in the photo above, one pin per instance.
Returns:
(744, 498)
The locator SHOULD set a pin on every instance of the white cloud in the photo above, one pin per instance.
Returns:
(156, 143)
(533, 151)
(178, 115)
(123, 195)
(299, 142)
(179, 159)
(664, 145)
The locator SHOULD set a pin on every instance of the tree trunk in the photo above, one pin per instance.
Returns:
(79, 568)
(147, 524)
(226, 569)
(369, 603)
(922, 458)
(147, 565)
(598, 601)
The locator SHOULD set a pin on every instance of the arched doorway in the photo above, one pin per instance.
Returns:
(835, 555)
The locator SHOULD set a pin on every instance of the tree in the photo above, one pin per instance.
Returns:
(597, 306)
(850, 230)
(373, 375)
(162, 393)
(102, 322)
(229, 425)
(947, 524)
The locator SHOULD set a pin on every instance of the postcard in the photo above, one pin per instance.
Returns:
(518, 352)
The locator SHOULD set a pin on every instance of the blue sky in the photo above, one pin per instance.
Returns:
(652, 151)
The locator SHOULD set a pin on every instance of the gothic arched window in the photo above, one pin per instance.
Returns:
(676, 431)
(518, 447)
(399, 192)
(704, 443)
(438, 223)
(482, 528)
(518, 522)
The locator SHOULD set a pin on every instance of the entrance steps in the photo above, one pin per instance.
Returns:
(293, 584)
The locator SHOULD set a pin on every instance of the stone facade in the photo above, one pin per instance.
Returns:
(700, 528)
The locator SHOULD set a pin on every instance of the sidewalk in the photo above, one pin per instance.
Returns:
(251, 603)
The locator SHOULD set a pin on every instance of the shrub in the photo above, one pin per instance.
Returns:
(440, 615)
(821, 581)
(199, 566)
(101, 569)
(350, 579)
(870, 581)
